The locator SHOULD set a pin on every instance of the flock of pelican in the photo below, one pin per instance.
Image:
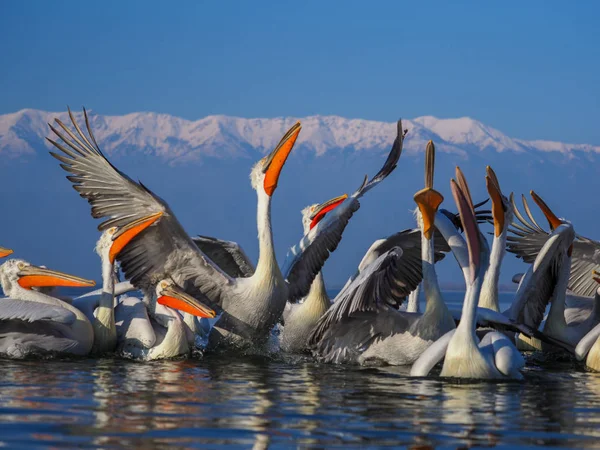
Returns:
(202, 293)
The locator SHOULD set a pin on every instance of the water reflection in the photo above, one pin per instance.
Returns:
(254, 402)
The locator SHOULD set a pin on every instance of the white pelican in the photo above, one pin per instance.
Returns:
(502, 215)
(588, 347)
(163, 334)
(363, 325)
(528, 239)
(300, 319)
(100, 309)
(319, 223)
(464, 355)
(546, 281)
(34, 323)
(251, 306)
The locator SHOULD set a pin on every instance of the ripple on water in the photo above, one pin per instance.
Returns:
(261, 402)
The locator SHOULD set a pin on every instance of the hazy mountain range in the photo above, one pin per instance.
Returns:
(201, 168)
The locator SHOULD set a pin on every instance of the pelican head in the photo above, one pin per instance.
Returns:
(114, 239)
(552, 218)
(265, 173)
(313, 214)
(428, 200)
(17, 274)
(502, 211)
(168, 293)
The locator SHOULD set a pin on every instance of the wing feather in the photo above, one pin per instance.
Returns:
(306, 259)
(163, 250)
(229, 256)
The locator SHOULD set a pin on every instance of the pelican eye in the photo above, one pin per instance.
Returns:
(21, 266)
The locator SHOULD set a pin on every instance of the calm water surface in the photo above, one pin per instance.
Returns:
(260, 402)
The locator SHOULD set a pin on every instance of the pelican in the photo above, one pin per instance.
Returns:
(580, 312)
(588, 347)
(528, 239)
(252, 305)
(447, 234)
(34, 323)
(318, 221)
(164, 334)
(502, 215)
(495, 356)
(364, 326)
(100, 309)
(301, 318)
(547, 279)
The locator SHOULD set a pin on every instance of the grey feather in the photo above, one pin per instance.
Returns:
(306, 259)
(163, 250)
(229, 256)
(28, 311)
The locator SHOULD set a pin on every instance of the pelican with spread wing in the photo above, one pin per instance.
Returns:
(547, 279)
(323, 226)
(250, 305)
(364, 325)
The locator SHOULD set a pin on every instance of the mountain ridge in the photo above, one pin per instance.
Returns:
(177, 140)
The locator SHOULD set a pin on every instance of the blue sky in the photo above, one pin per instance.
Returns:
(527, 68)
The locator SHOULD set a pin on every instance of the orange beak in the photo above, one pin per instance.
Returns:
(493, 188)
(277, 158)
(428, 200)
(324, 208)
(553, 221)
(4, 252)
(126, 233)
(32, 276)
(175, 297)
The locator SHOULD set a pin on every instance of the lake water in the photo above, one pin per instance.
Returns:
(259, 402)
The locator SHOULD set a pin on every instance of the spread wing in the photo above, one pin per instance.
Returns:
(27, 311)
(164, 249)
(528, 239)
(540, 281)
(229, 256)
(366, 301)
(410, 243)
(306, 259)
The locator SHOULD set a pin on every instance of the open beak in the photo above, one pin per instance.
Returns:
(126, 233)
(553, 221)
(277, 158)
(428, 200)
(324, 208)
(498, 212)
(175, 297)
(33, 276)
(4, 252)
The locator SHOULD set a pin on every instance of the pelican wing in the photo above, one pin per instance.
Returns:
(410, 243)
(361, 311)
(28, 311)
(539, 283)
(306, 259)
(229, 256)
(585, 259)
(162, 250)
(528, 239)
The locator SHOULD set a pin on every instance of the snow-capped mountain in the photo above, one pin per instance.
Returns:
(181, 141)
(201, 168)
